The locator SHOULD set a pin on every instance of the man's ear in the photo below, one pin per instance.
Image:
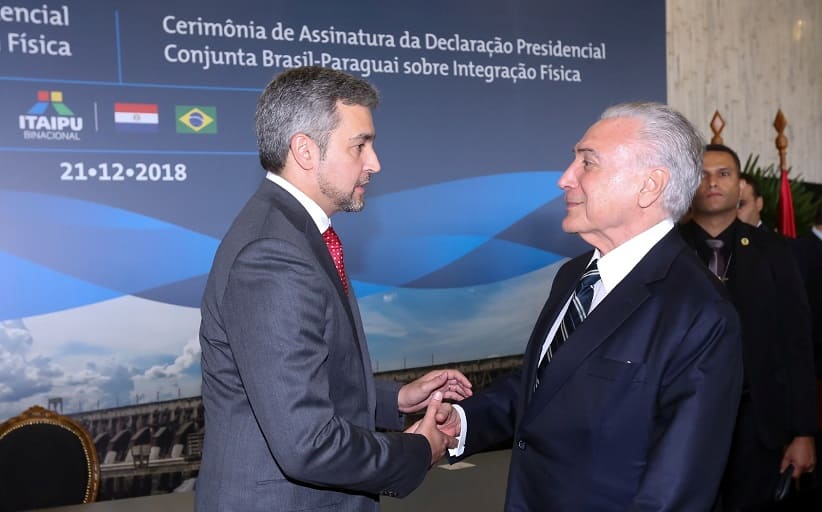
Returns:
(653, 186)
(760, 203)
(304, 150)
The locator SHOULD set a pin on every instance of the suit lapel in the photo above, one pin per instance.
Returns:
(317, 244)
(745, 257)
(349, 302)
(561, 290)
(686, 231)
(605, 319)
(299, 217)
(366, 357)
(302, 221)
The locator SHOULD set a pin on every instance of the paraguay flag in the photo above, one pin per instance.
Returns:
(136, 117)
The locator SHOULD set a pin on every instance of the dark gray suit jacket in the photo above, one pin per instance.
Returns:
(291, 405)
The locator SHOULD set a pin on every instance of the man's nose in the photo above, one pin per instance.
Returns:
(568, 177)
(373, 165)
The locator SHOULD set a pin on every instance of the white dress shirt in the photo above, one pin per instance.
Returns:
(317, 214)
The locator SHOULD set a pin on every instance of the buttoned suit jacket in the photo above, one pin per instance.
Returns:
(636, 410)
(777, 353)
(290, 402)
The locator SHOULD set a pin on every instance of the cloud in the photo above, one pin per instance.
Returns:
(117, 381)
(457, 324)
(96, 356)
(89, 376)
(127, 326)
(84, 375)
(21, 375)
(190, 356)
(80, 348)
(378, 322)
(14, 337)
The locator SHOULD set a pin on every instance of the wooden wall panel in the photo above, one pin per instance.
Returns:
(747, 59)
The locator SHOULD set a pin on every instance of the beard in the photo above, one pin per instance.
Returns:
(344, 201)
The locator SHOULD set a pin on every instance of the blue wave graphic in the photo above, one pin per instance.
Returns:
(67, 252)
(413, 235)
(77, 252)
(39, 290)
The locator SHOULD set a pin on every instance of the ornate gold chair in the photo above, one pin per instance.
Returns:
(46, 460)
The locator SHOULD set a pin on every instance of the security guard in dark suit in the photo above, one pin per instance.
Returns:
(777, 415)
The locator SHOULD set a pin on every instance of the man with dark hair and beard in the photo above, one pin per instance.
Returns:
(291, 406)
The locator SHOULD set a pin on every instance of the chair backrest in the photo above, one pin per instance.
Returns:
(46, 460)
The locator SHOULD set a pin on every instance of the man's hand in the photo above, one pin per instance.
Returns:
(802, 454)
(448, 420)
(415, 395)
(427, 426)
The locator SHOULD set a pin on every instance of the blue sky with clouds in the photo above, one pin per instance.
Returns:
(118, 351)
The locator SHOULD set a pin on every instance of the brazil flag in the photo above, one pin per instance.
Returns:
(197, 119)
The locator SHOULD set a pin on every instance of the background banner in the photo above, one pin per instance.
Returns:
(127, 147)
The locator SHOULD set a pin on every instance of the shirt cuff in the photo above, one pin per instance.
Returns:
(456, 452)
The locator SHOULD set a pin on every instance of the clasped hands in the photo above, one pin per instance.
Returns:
(441, 423)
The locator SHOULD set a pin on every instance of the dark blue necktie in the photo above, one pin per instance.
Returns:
(578, 309)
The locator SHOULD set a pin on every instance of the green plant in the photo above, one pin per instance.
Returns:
(804, 201)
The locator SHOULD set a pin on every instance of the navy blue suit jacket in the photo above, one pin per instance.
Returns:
(636, 411)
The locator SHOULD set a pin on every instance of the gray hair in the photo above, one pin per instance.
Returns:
(668, 140)
(304, 100)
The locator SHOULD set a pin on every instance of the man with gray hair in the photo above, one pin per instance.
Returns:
(291, 405)
(628, 392)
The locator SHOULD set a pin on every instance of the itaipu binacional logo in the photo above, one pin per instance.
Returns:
(39, 123)
(196, 119)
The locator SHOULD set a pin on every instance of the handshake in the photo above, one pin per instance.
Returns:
(441, 423)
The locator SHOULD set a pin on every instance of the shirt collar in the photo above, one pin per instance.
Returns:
(614, 266)
(728, 235)
(817, 232)
(317, 214)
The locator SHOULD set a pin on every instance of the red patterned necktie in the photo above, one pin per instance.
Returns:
(336, 250)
